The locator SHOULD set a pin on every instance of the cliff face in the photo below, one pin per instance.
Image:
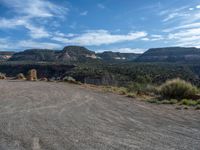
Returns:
(116, 56)
(5, 55)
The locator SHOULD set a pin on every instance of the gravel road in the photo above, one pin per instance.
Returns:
(61, 116)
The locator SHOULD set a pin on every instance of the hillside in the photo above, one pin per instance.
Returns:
(171, 54)
(82, 54)
(70, 54)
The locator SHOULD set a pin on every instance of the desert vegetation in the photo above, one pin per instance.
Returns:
(178, 89)
(174, 92)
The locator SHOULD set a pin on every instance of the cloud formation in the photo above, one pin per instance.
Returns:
(36, 8)
(100, 37)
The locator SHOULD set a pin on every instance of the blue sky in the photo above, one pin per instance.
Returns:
(100, 25)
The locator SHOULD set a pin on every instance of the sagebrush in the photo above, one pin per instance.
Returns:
(178, 89)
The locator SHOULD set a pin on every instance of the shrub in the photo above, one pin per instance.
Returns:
(189, 102)
(131, 95)
(156, 101)
(197, 107)
(141, 88)
(113, 89)
(177, 89)
(198, 102)
(165, 102)
(173, 101)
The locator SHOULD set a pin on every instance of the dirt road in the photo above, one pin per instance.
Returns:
(41, 115)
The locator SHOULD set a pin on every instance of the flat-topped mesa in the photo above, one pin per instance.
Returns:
(171, 54)
(32, 75)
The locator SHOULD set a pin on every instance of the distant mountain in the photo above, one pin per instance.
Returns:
(111, 56)
(34, 55)
(75, 53)
(69, 54)
(5, 55)
(171, 54)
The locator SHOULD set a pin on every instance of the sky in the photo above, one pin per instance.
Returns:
(130, 26)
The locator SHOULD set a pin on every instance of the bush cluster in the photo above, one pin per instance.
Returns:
(178, 89)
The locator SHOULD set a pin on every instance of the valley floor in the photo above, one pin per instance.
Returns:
(44, 115)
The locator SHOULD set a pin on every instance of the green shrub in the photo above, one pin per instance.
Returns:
(188, 102)
(131, 95)
(118, 90)
(198, 102)
(141, 88)
(165, 102)
(197, 107)
(156, 101)
(173, 101)
(177, 89)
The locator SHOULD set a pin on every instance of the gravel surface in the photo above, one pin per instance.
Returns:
(44, 115)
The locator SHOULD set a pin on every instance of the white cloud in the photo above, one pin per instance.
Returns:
(191, 8)
(187, 26)
(12, 23)
(26, 44)
(100, 37)
(189, 37)
(156, 37)
(198, 6)
(7, 44)
(101, 6)
(27, 11)
(37, 32)
(182, 15)
(185, 33)
(175, 15)
(145, 39)
(84, 13)
(34, 31)
(153, 37)
(36, 8)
